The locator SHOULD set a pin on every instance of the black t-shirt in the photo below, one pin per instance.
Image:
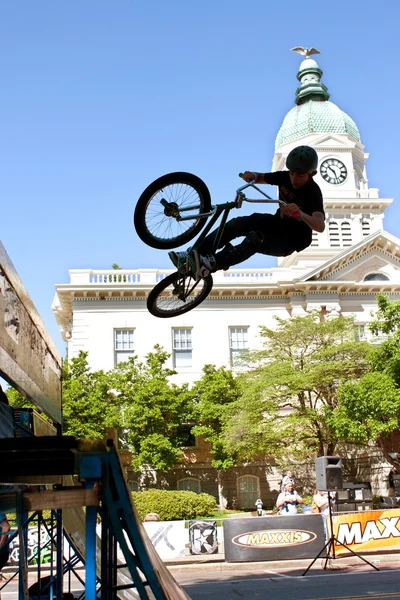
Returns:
(308, 198)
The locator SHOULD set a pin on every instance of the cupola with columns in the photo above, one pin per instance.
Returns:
(353, 209)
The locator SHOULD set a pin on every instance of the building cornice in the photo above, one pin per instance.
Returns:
(378, 241)
(366, 203)
(280, 292)
(280, 285)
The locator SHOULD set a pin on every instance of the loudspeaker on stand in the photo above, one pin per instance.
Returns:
(328, 471)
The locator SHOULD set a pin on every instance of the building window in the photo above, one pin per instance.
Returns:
(248, 491)
(182, 348)
(123, 344)
(314, 240)
(364, 334)
(376, 277)
(365, 227)
(340, 236)
(377, 337)
(238, 341)
(185, 436)
(361, 335)
(334, 234)
(133, 486)
(346, 234)
(189, 484)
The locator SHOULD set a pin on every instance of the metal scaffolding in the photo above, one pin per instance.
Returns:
(100, 493)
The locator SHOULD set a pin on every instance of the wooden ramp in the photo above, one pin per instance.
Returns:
(30, 362)
(103, 491)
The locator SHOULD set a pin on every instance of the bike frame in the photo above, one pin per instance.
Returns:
(225, 209)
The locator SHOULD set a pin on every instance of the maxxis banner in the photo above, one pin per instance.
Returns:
(366, 531)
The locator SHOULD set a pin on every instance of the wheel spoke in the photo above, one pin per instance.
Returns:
(168, 212)
(162, 226)
(170, 302)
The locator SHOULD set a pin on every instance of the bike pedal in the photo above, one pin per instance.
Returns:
(203, 272)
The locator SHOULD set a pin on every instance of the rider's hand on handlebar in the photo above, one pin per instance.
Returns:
(291, 210)
(249, 176)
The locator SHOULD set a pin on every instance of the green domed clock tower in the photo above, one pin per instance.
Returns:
(353, 209)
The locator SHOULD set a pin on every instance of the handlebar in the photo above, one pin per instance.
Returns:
(243, 198)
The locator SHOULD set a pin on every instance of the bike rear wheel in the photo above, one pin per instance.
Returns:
(182, 293)
(161, 205)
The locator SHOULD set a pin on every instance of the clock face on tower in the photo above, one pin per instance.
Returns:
(333, 171)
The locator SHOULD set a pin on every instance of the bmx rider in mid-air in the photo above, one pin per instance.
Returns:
(288, 230)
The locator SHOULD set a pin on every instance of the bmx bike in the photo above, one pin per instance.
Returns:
(171, 212)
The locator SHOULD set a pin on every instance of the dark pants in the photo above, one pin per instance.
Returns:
(264, 233)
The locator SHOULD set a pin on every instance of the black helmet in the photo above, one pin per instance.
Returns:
(302, 159)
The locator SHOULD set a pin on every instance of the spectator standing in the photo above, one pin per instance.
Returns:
(321, 501)
(393, 471)
(321, 505)
(288, 501)
(288, 477)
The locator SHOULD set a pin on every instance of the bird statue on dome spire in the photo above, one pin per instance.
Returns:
(306, 52)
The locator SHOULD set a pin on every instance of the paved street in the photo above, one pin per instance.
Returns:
(347, 583)
(344, 580)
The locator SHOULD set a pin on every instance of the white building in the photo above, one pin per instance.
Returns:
(104, 312)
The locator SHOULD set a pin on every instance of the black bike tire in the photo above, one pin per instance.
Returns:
(156, 292)
(143, 204)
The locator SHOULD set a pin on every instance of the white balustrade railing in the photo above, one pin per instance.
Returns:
(115, 277)
(237, 275)
(129, 277)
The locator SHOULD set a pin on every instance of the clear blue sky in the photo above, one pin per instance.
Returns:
(98, 98)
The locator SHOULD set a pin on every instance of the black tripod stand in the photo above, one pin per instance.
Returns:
(330, 545)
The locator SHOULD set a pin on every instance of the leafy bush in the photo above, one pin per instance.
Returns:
(375, 502)
(308, 500)
(173, 505)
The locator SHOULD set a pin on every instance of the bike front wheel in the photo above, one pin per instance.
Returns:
(164, 203)
(176, 294)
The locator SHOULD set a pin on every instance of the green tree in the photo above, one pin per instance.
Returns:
(153, 410)
(291, 386)
(88, 406)
(137, 399)
(214, 394)
(388, 316)
(369, 409)
(385, 357)
(18, 400)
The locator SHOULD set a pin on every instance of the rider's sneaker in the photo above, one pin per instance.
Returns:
(200, 265)
(207, 264)
(179, 259)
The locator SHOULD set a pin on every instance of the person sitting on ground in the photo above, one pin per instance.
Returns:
(288, 501)
(286, 478)
(288, 230)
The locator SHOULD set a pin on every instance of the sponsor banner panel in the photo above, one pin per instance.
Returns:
(203, 537)
(367, 530)
(273, 538)
(169, 537)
